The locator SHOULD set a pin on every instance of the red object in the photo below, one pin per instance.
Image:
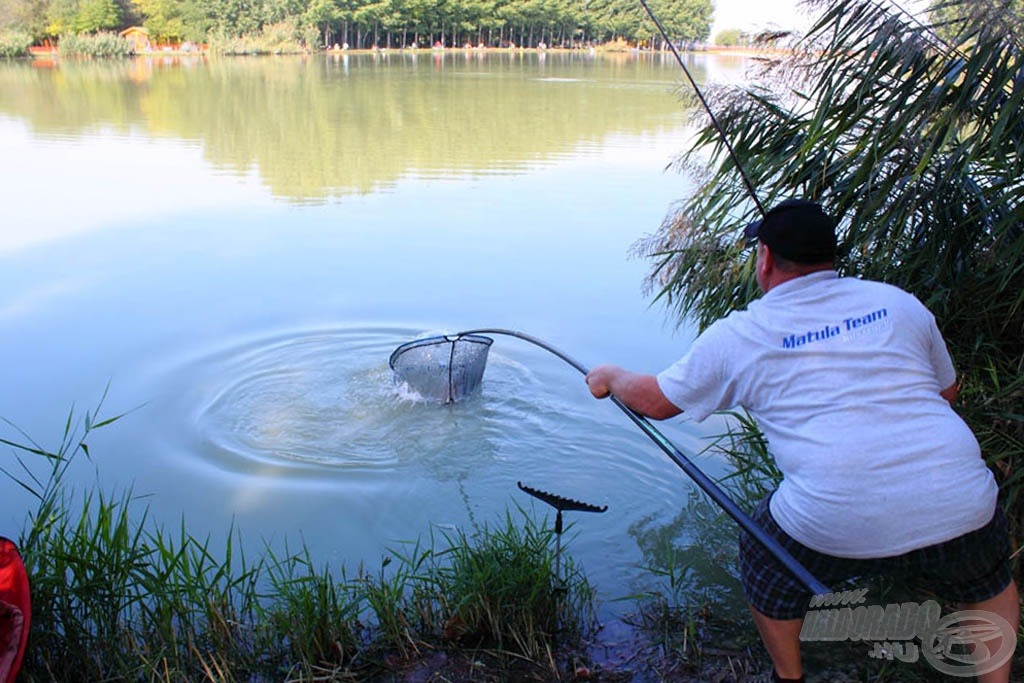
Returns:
(15, 610)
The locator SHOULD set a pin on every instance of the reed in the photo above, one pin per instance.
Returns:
(504, 594)
(100, 44)
(282, 38)
(14, 44)
(117, 597)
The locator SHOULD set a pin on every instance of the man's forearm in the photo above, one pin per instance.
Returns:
(640, 392)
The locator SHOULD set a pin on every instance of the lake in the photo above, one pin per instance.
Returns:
(236, 246)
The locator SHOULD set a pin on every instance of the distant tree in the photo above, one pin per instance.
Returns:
(235, 17)
(687, 20)
(163, 18)
(730, 37)
(96, 15)
(325, 16)
(362, 22)
(24, 15)
(60, 17)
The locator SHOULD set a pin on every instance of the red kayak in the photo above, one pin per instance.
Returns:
(15, 610)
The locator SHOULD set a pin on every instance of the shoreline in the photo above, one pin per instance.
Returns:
(52, 52)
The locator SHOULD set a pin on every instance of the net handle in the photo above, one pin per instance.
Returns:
(695, 473)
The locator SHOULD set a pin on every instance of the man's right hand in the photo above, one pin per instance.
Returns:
(639, 392)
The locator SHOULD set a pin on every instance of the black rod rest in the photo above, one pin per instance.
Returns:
(560, 503)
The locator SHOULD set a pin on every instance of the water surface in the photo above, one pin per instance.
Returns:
(237, 246)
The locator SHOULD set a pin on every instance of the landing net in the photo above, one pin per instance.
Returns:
(444, 369)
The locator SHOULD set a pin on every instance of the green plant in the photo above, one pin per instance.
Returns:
(100, 44)
(117, 598)
(14, 44)
(314, 614)
(501, 590)
(731, 37)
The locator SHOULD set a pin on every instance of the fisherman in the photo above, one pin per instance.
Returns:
(852, 385)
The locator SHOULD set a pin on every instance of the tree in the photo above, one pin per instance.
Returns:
(730, 37)
(164, 18)
(235, 17)
(96, 15)
(60, 16)
(360, 22)
(24, 15)
(325, 16)
(918, 149)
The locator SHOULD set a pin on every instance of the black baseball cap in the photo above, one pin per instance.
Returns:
(797, 230)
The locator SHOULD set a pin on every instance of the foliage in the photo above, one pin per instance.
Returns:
(511, 595)
(116, 598)
(731, 37)
(916, 147)
(365, 23)
(81, 16)
(951, 20)
(273, 39)
(94, 45)
(14, 44)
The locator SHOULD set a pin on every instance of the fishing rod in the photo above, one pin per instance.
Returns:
(707, 108)
(695, 473)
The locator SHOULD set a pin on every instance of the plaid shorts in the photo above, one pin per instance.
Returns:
(969, 568)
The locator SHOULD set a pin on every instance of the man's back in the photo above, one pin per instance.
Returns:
(843, 376)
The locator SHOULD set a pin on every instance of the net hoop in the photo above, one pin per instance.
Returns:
(445, 368)
(431, 341)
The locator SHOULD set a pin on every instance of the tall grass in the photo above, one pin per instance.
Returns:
(14, 44)
(100, 44)
(117, 597)
(282, 38)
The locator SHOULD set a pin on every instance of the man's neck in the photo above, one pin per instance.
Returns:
(780, 276)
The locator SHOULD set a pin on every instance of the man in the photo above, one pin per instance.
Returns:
(852, 385)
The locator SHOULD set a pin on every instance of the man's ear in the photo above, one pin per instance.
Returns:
(766, 260)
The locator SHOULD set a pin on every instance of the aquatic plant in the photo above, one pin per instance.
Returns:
(116, 597)
(101, 44)
(14, 44)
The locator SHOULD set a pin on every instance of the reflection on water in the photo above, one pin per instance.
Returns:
(322, 127)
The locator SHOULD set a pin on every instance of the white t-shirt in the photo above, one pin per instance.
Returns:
(843, 377)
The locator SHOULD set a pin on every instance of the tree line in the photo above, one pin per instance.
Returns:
(369, 23)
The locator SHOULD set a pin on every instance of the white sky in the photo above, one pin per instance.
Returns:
(757, 15)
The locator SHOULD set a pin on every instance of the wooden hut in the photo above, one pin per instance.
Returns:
(139, 37)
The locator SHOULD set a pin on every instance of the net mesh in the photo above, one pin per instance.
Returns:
(445, 369)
